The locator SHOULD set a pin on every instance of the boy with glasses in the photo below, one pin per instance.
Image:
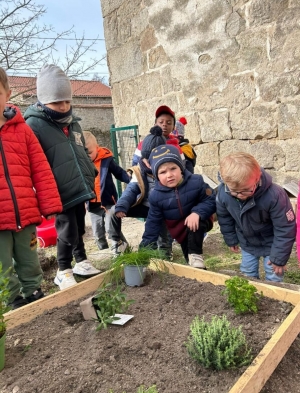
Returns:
(255, 216)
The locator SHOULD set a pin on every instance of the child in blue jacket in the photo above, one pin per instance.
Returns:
(183, 201)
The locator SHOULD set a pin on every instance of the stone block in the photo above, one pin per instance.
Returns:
(231, 146)
(276, 87)
(266, 11)
(215, 126)
(157, 57)
(268, 154)
(291, 149)
(207, 153)
(255, 122)
(109, 6)
(148, 39)
(289, 120)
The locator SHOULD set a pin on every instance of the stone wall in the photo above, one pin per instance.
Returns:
(230, 67)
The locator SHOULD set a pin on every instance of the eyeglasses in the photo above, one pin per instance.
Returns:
(244, 192)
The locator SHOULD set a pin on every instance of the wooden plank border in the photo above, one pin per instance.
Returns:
(255, 375)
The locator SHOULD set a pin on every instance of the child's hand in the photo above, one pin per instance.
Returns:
(235, 249)
(278, 270)
(192, 222)
(121, 214)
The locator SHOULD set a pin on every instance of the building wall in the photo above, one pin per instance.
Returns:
(231, 67)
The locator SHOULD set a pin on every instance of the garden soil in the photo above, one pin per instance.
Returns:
(59, 352)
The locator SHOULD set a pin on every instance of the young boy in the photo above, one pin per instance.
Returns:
(165, 119)
(134, 201)
(255, 215)
(61, 138)
(105, 189)
(183, 201)
(27, 191)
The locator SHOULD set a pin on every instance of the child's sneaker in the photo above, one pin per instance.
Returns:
(119, 247)
(64, 279)
(196, 260)
(85, 268)
(18, 302)
(37, 294)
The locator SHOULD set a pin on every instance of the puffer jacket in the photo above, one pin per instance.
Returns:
(73, 170)
(173, 205)
(262, 225)
(27, 186)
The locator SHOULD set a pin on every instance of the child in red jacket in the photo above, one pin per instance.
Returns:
(27, 191)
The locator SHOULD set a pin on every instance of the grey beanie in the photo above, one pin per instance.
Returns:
(163, 154)
(154, 139)
(53, 85)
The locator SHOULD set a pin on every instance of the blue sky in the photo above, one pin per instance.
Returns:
(85, 16)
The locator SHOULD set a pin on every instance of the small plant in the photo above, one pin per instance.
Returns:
(108, 302)
(141, 257)
(217, 345)
(241, 295)
(4, 298)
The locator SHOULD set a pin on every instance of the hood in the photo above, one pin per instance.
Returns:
(13, 115)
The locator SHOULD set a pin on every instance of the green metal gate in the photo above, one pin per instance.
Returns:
(124, 141)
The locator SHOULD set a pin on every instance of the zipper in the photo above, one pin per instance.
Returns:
(178, 201)
(12, 191)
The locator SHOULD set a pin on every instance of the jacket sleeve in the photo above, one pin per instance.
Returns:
(137, 154)
(206, 206)
(284, 227)
(153, 227)
(128, 197)
(42, 177)
(118, 172)
(226, 221)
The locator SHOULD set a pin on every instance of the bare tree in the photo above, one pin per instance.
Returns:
(23, 51)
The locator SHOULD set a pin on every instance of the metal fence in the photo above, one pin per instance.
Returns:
(124, 141)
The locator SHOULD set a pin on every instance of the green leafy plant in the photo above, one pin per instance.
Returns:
(4, 298)
(142, 389)
(217, 344)
(107, 302)
(241, 295)
(141, 257)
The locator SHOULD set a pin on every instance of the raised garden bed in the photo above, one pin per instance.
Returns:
(72, 356)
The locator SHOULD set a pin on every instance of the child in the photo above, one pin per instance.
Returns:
(27, 191)
(187, 149)
(255, 215)
(165, 119)
(134, 200)
(61, 138)
(106, 193)
(183, 201)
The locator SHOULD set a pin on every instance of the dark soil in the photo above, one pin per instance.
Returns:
(59, 352)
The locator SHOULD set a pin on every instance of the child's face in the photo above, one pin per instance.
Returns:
(166, 123)
(60, 106)
(245, 190)
(4, 97)
(169, 174)
(92, 149)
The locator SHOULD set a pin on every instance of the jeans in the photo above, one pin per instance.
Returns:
(100, 218)
(250, 267)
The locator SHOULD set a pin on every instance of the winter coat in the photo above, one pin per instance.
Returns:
(263, 225)
(173, 205)
(105, 188)
(27, 186)
(73, 170)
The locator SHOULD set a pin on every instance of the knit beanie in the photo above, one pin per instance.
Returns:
(179, 129)
(183, 121)
(163, 154)
(53, 85)
(154, 139)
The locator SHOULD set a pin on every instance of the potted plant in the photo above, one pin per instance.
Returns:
(4, 297)
(134, 264)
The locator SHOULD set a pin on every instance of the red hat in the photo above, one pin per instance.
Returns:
(164, 109)
(183, 120)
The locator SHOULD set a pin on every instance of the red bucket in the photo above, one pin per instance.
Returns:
(46, 233)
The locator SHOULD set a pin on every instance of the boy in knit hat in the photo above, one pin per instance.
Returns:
(134, 200)
(62, 140)
(183, 201)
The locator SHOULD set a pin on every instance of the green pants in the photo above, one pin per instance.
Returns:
(18, 251)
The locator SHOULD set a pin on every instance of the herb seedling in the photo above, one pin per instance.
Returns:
(241, 295)
(108, 302)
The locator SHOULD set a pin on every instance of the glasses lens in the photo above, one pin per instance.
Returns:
(244, 193)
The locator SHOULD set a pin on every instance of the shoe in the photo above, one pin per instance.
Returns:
(37, 294)
(18, 302)
(119, 247)
(85, 268)
(103, 246)
(64, 279)
(196, 260)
